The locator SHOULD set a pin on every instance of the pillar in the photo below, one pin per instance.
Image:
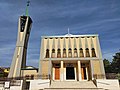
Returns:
(53, 73)
(79, 71)
(87, 72)
(50, 68)
(75, 73)
(61, 71)
(92, 69)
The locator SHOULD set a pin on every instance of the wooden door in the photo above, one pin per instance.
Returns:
(82, 72)
(57, 73)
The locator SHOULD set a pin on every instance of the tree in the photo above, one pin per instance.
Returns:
(107, 66)
(115, 64)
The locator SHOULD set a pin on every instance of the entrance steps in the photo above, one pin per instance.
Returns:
(73, 89)
(72, 85)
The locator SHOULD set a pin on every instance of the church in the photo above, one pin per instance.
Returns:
(71, 57)
(67, 62)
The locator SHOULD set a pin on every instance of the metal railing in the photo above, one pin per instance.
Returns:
(16, 81)
(26, 77)
(32, 77)
(112, 76)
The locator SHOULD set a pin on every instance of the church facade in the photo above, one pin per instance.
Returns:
(71, 57)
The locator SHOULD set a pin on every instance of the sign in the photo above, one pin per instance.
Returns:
(7, 84)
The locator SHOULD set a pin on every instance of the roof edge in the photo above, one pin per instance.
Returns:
(70, 35)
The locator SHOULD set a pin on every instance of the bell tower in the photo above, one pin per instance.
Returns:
(19, 57)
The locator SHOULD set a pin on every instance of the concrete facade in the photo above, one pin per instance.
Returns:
(79, 55)
(19, 57)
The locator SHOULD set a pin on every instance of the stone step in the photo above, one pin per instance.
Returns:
(72, 84)
(73, 89)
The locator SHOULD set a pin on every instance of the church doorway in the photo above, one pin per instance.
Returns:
(70, 73)
(83, 72)
(57, 73)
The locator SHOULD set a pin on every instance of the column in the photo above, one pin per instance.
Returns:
(79, 71)
(75, 73)
(87, 72)
(61, 71)
(50, 68)
(53, 73)
(92, 69)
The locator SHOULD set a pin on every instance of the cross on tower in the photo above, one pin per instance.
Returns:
(28, 3)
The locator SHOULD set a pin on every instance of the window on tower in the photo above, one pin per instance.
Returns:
(22, 23)
(81, 52)
(69, 52)
(93, 52)
(87, 52)
(53, 53)
(64, 53)
(47, 53)
(58, 53)
(75, 53)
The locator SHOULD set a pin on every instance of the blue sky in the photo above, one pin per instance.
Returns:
(54, 17)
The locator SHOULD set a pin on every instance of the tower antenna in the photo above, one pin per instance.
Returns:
(28, 3)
